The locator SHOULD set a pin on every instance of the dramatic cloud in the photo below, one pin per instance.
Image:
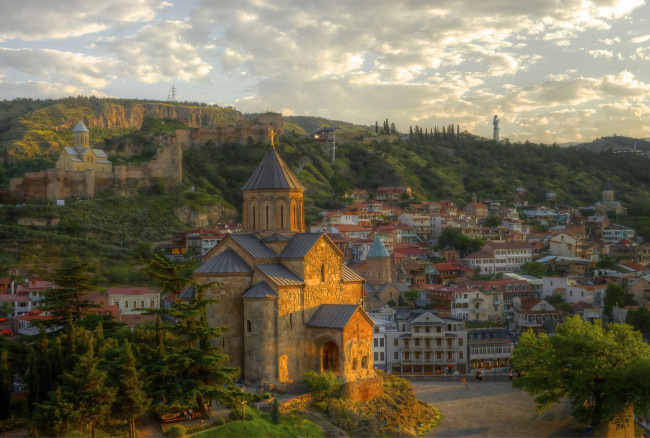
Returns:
(547, 67)
(31, 20)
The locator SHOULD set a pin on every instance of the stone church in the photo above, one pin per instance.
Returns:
(288, 302)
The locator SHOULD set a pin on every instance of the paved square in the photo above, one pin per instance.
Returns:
(493, 409)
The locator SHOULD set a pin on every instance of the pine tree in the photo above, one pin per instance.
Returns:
(376, 127)
(66, 304)
(54, 416)
(86, 388)
(5, 388)
(131, 400)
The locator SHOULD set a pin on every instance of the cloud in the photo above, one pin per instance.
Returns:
(31, 20)
(160, 51)
(66, 67)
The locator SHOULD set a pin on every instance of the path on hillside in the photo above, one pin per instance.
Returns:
(493, 409)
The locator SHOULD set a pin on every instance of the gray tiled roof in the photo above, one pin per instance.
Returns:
(188, 292)
(275, 237)
(332, 315)
(80, 127)
(300, 244)
(348, 274)
(226, 262)
(253, 246)
(272, 173)
(279, 274)
(260, 290)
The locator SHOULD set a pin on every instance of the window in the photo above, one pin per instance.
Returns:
(460, 355)
(282, 217)
(376, 355)
(142, 304)
(396, 355)
(267, 217)
(381, 342)
(460, 342)
(381, 356)
(375, 343)
(126, 304)
(152, 304)
(249, 326)
(322, 273)
(395, 342)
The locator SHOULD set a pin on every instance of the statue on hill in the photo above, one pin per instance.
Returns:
(495, 123)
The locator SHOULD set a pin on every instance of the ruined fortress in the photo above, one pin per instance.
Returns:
(60, 183)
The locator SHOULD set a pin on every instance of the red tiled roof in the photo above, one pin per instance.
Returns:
(130, 291)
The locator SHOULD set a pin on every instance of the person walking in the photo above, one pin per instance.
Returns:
(510, 374)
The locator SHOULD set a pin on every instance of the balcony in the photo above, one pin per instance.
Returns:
(431, 361)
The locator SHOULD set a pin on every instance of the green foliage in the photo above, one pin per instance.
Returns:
(598, 369)
(275, 412)
(615, 295)
(606, 263)
(640, 320)
(322, 385)
(454, 238)
(534, 269)
(66, 304)
(176, 431)
(260, 425)
(492, 221)
(412, 295)
(559, 302)
(6, 309)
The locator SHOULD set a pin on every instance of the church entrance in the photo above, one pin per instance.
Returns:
(330, 357)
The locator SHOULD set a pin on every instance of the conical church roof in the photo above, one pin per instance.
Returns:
(80, 127)
(377, 249)
(272, 173)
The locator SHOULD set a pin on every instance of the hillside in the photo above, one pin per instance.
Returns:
(39, 129)
(435, 166)
(616, 143)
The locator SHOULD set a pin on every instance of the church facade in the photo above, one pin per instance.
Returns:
(80, 156)
(288, 302)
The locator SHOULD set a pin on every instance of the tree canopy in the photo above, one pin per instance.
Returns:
(615, 295)
(535, 269)
(603, 371)
(454, 238)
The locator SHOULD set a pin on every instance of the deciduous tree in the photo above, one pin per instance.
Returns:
(598, 369)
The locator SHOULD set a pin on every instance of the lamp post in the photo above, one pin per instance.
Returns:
(243, 410)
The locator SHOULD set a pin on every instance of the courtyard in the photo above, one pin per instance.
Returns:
(493, 409)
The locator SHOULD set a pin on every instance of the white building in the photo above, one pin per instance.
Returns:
(131, 300)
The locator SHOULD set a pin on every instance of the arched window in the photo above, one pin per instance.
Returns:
(282, 217)
(294, 224)
(322, 273)
(267, 217)
(355, 364)
(249, 326)
(253, 224)
(364, 362)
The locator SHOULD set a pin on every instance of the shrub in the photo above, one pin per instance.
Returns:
(275, 412)
(177, 431)
(322, 385)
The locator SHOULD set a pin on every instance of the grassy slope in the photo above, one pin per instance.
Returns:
(260, 425)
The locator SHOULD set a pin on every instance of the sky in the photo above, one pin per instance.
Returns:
(552, 70)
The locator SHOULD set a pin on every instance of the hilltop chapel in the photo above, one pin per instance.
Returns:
(288, 302)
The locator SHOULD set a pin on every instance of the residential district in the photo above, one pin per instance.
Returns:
(371, 287)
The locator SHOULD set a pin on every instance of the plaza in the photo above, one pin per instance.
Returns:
(493, 409)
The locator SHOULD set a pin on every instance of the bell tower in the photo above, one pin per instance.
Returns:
(273, 198)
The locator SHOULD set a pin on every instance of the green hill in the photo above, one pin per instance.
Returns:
(436, 166)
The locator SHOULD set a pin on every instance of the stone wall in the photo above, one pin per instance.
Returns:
(364, 389)
(53, 184)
